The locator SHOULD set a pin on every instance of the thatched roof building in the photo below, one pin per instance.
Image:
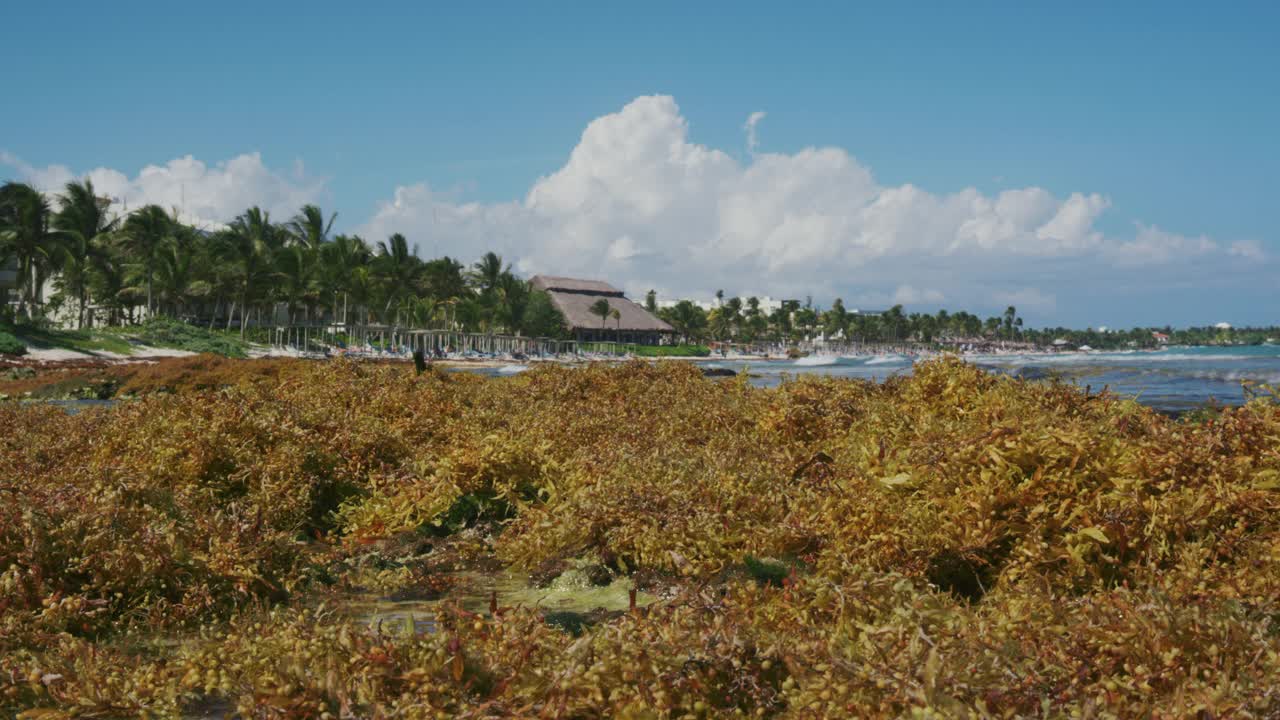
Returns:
(574, 298)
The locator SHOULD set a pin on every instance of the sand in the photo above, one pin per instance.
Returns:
(141, 352)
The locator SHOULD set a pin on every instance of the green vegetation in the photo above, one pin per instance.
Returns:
(10, 345)
(1145, 337)
(156, 332)
(84, 341)
(957, 544)
(169, 333)
(669, 350)
(110, 271)
(743, 321)
(768, 572)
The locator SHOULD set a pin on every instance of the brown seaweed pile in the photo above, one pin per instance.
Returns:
(952, 544)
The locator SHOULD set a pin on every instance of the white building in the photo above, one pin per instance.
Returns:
(768, 305)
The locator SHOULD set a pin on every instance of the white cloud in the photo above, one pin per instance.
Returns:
(1027, 298)
(640, 204)
(1153, 246)
(753, 120)
(1247, 249)
(206, 195)
(1071, 228)
(908, 295)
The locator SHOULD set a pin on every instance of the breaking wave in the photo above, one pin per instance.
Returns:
(817, 361)
(886, 359)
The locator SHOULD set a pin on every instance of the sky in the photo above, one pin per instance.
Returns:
(1091, 163)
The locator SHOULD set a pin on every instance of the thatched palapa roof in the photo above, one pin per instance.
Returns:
(564, 284)
(574, 298)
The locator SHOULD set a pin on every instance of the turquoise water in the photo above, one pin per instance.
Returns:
(1171, 380)
(74, 406)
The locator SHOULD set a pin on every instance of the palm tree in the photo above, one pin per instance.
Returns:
(108, 275)
(602, 309)
(894, 321)
(512, 296)
(443, 277)
(25, 232)
(308, 227)
(398, 267)
(362, 284)
(487, 276)
(617, 318)
(249, 245)
(688, 319)
(176, 271)
(421, 311)
(309, 231)
(83, 226)
(1010, 318)
(297, 273)
(145, 232)
(836, 319)
(718, 322)
(341, 261)
(487, 272)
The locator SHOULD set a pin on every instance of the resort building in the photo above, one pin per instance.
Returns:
(575, 298)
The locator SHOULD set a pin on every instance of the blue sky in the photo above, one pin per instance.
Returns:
(1166, 112)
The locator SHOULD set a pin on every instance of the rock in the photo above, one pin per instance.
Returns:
(547, 571)
(718, 372)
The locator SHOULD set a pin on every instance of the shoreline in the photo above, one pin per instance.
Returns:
(70, 375)
(55, 357)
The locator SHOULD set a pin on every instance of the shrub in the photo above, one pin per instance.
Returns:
(671, 351)
(170, 333)
(10, 345)
(957, 544)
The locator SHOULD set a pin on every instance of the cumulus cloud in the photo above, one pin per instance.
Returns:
(203, 194)
(908, 295)
(1153, 246)
(639, 203)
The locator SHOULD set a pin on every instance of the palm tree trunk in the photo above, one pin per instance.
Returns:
(28, 306)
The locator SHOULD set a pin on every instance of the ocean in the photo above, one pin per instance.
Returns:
(1173, 380)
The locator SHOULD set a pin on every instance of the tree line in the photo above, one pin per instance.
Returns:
(109, 268)
(113, 268)
(743, 320)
